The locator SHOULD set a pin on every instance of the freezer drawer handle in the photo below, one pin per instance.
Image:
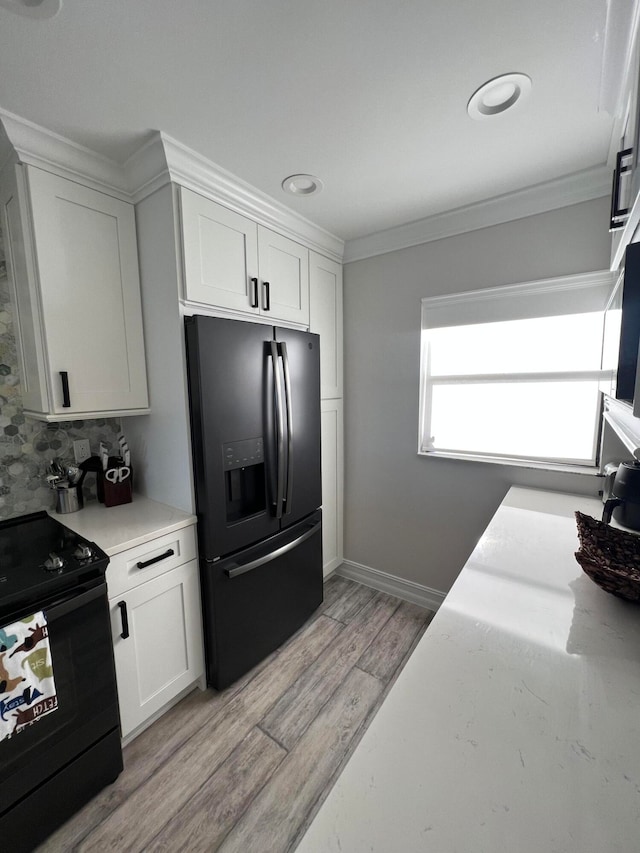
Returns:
(168, 553)
(255, 564)
(125, 619)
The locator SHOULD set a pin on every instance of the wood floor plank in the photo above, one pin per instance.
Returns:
(334, 589)
(209, 815)
(207, 762)
(293, 712)
(135, 822)
(276, 817)
(349, 604)
(387, 651)
(143, 756)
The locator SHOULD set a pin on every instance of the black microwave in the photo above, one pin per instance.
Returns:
(622, 327)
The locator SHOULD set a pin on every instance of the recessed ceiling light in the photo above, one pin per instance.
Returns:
(302, 184)
(498, 95)
(33, 8)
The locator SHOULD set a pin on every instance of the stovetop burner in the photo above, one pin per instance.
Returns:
(39, 556)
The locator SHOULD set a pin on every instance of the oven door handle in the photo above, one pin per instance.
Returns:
(62, 606)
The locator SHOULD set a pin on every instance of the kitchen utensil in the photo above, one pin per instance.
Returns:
(124, 449)
(624, 502)
(68, 498)
(74, 474)
(117, 475)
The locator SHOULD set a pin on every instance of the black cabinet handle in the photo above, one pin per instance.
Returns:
(66, 400)
(619, 214)
(254, 298)
(267, 296)
(125, 619)
(168, 553)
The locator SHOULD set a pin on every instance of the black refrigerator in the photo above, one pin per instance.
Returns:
(254, 394)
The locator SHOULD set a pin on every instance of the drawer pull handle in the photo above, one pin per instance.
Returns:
(168, 553)
(125, 619)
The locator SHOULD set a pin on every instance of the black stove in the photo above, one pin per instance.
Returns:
(39, 556)
(52, 767)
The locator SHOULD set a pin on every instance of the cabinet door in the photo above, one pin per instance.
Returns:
(21, 270)
(284, 274)
(332, 484)
(220, 251)
(162, 655)
(325, 319)
(85, 244)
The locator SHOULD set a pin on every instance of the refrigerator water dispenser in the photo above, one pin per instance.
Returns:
(245, 491)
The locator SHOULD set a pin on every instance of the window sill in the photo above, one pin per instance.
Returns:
(588, 470)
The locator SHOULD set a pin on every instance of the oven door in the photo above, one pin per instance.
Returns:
(83, 670)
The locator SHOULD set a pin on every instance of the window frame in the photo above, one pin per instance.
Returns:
(602, 280)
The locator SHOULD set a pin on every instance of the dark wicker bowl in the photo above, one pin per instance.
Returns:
(610, 557)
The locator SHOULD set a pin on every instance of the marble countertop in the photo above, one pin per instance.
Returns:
(515, 724)
(118, 528)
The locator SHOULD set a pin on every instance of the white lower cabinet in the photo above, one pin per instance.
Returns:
(332, 484)
(156, 626)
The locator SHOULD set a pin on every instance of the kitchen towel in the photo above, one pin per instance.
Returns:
(27, 688)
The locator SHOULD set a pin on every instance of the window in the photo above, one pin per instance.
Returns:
(513, 374)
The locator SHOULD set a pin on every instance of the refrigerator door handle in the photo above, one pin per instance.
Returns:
(280, 430)
(287, 394)
(261, 561)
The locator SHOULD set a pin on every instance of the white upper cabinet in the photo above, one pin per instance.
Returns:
(284, 277)
(220, 251)
(232, 263)
(325, 318)
(73, 266)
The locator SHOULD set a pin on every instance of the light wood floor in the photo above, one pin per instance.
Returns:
(246, 769)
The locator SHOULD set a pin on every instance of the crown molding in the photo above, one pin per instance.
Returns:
(164, 159)
(571, 189)
(160, 160)
(40, 147)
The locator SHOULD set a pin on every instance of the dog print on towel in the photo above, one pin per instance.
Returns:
(7, 640)
(38, 664)
(38, 634)
(6, 683)
(27, 716)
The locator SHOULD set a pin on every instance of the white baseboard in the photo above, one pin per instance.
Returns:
(416, 593)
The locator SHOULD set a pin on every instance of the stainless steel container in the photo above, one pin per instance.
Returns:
(68, 499)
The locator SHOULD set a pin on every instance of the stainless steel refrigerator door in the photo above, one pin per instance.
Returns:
(231, 389)
(300, 363)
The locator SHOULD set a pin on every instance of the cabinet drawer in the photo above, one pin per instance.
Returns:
(125, 572)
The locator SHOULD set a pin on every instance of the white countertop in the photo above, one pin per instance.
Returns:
(116, 528)
(515, 725)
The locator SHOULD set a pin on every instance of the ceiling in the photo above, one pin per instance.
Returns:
(369, 95)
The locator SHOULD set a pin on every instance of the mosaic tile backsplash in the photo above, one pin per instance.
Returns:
(27, 446)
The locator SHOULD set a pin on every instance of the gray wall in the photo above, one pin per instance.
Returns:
(415, 517)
